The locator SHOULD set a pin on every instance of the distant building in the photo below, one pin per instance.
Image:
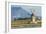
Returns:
(33, 18)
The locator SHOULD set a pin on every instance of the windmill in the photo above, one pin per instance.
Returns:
(33, 16)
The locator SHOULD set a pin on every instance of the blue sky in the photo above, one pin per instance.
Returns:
(22, 11)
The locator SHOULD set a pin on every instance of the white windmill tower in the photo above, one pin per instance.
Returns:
(33, 16)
